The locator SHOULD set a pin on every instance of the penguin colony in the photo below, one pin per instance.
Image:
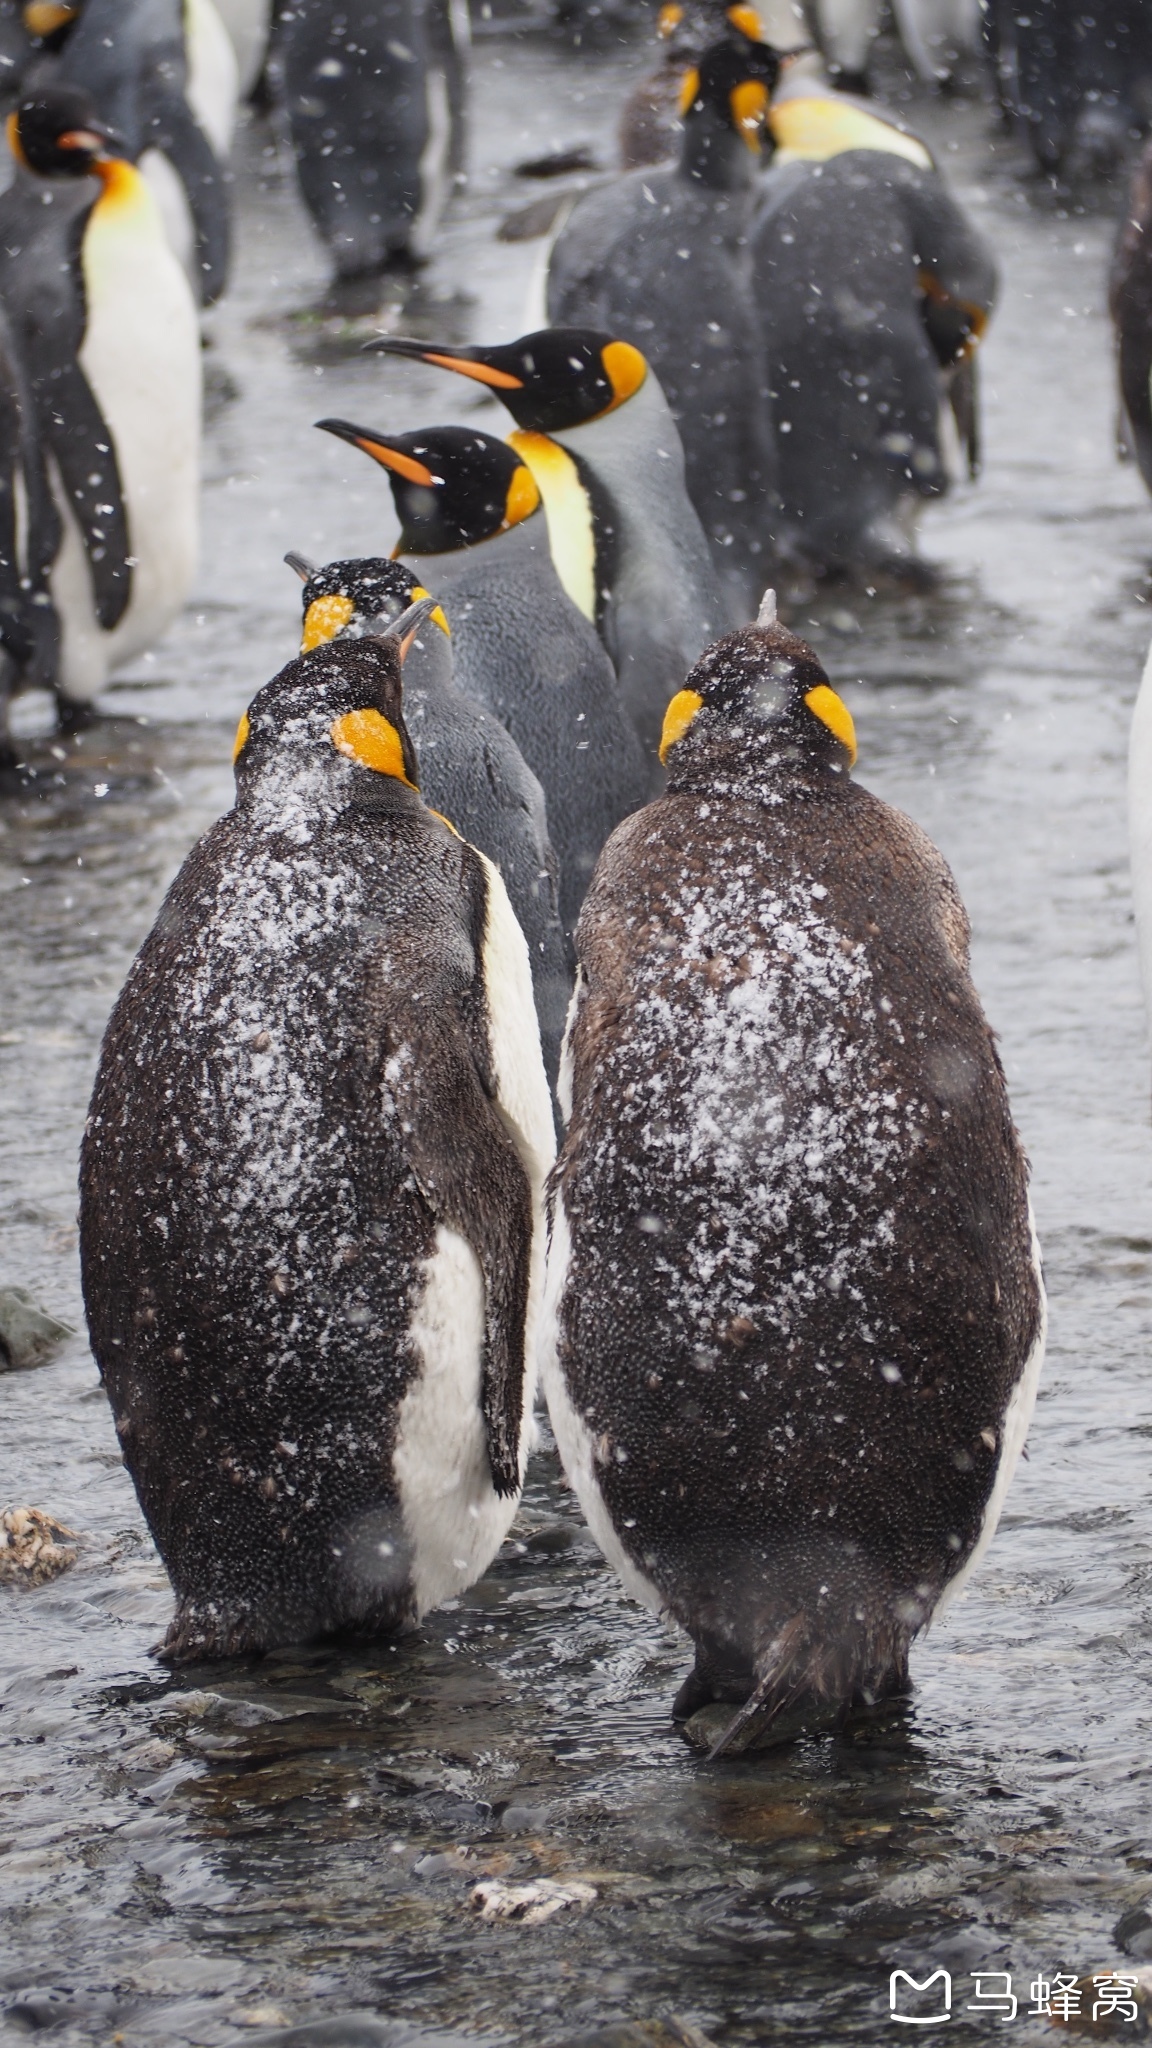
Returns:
(537, 842)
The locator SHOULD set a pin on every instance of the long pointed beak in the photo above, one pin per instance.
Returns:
(405, 628)
(380, 450)
(465, 362)
(303, 567)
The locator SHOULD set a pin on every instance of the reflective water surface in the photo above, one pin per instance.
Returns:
(185, 1859)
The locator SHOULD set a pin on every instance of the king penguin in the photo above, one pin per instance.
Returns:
(108, 329)
(1130, 304)
(106, 323)
(660, 259)
(873, 289)
(471, 770)
(595, 430)
(153, 69)
(794, 1316)
(311, 1187)
(473, 529)
(376, 99)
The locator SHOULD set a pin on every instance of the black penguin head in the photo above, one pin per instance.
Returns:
(686, 27)
(58, 133)
(558, 377)
(731, 87)
(757, 697)
(452, 486)
(349, 600)
(337, 708)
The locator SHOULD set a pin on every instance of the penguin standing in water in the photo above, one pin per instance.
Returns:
(660, 258)
(311, 1182)
(873, 289)
(473, 529)
(471, 770)
(597, 435)
(794, 1316)
(376, 94)
(137, 59)
(106, 324)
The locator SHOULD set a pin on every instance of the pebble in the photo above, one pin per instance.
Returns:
(27, 1335)
(30, 1552)
(530, 1904)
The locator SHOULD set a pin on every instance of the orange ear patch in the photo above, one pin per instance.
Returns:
(324, 618)
(833, 712)
(678, 717)
(523, 496)
(749, 104)
(241, 740)
(372, 740)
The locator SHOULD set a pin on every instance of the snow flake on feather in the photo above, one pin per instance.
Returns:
(751, 1098)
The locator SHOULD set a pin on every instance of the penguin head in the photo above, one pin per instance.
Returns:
(58, 133)
(558, 377)
(757, 699)
(730, 89)
(358, 599)
(452, 486)
(686, 27)
(332, 722)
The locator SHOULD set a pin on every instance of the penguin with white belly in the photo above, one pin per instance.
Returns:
(794, 1316)
(311, 1187)
(595, 430)
(107, 326)
(29, 539)
(471, 770)
(660, 259)
(473, 529)
(142, 61)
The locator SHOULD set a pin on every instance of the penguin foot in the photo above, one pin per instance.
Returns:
(851, 81)
(707, 1729)
(73, 717)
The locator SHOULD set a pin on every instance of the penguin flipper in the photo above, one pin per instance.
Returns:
(173, 129)
(469, 1173)
(81, 441)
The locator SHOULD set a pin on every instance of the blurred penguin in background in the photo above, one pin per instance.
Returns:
(1130, 304)
(1075, 78)
(660, 258)
(376, 103)
(650, 125)
(473, 529)
(873, 289)
(29, 540)
(163, 80)
(108, 331)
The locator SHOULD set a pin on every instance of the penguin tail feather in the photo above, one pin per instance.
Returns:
(801, 1667)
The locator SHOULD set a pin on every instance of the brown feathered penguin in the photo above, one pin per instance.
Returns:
(794, 1317)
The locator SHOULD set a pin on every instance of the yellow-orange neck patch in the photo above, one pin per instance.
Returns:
(748, 103)
(372, 740)
(324, 618)
(833, 712)
(241, 740)
(523, 496)
(678, 717)
(571, 534)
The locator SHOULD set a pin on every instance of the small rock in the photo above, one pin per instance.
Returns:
(1133, 1933)
(27, 1336)
(30, 1553)
(523, 1820)
(531, 1904)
